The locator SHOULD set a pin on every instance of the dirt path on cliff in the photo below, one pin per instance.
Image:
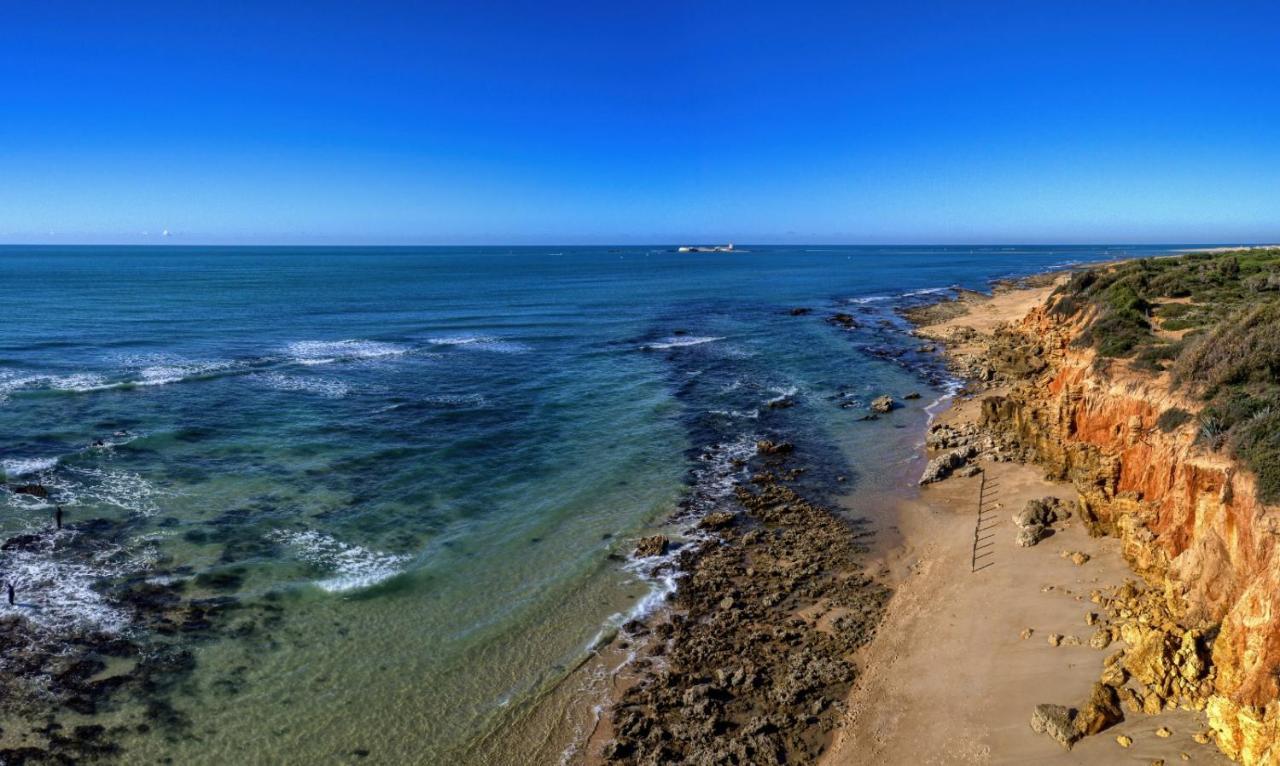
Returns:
(949, 677)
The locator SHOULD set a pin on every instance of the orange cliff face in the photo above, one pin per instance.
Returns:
(1190, 521)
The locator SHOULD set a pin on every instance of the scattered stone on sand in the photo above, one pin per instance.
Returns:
(1079, 558)
(1115, 675)
(1164, 731)
(1124, 741)
(657, 545)
(967, 471)
(1027, 633)
(1055, 639)
(1101, 638)
(1091, 618)
(882, 404)
(1057, 721)
(1070, 640)
(1101, 712)
(1201, 737)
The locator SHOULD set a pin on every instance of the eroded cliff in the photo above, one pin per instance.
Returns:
(1204, 635)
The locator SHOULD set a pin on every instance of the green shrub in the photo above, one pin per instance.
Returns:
(1244, 348)
(1172, 419)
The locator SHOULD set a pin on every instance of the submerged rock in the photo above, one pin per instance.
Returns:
(769, 447)
(843, 320)
(882, 404)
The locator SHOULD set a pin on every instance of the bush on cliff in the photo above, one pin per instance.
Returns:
(1230, 302)
(1243, 349)
(1172, 419)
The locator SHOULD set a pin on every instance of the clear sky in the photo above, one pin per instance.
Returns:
(538, 122)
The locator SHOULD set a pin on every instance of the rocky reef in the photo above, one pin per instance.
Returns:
(753, 660)
(1201, 629)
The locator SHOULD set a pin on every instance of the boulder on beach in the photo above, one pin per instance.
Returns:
(941, 466)
(1029, 536)
(1057, 721)
(1101, 712)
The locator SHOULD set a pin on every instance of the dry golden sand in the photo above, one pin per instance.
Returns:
(949, 678)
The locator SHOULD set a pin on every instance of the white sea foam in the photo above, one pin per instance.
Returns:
(928, 291)
(334, 389)
(122, 489)
(480, 343)
(723, 466)
(352, 566)
(741, 414)
(312, 352)
(58, 595)
(782, 393)
(77, 382)
(24, 466)
(680, 341)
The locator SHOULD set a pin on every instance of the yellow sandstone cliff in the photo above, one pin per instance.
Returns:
(1206, 635)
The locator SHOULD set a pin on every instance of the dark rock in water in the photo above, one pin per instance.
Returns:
(34, 490)
(844, 320)
(912, 395)
(22, 543)
(781, 404)
(657, 545)
(227, 579)
(768, 447)
(799, 312)
(883, 404)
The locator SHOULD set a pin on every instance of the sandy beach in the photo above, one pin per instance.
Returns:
(952, 675)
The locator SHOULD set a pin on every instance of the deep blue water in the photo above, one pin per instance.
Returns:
(434, 449)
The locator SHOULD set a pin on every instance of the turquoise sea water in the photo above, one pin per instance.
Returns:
(430, 463)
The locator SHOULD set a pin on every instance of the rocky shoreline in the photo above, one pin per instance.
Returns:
(753, 659)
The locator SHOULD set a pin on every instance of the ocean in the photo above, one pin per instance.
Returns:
(377, 504)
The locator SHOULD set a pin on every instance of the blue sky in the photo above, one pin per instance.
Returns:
(477, 122)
